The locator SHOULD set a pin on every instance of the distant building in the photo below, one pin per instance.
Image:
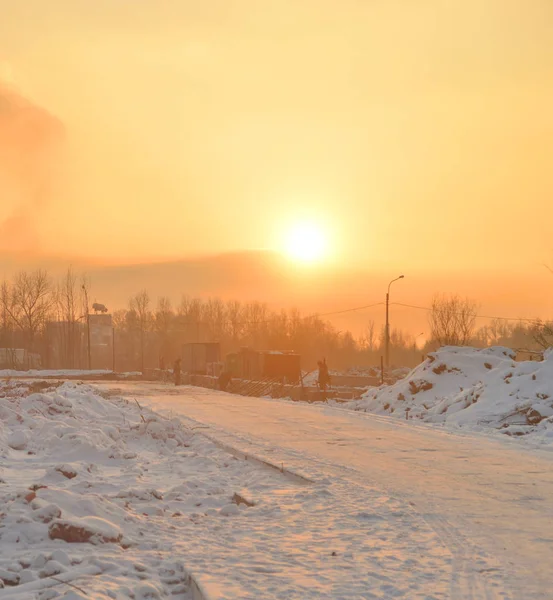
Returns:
(66, 345)
(250, 364)
(198, 357)
(18, 359)
(101, 341)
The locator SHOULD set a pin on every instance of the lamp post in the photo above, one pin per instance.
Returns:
(85, 292)
(387, 331)
(415, 342)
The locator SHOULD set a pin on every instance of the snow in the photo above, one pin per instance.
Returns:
(66, 373)
(391, 508)
(53, 373)
(478, 389)
(392, 375)
(131, 485)
(339, 504)
(18, 439)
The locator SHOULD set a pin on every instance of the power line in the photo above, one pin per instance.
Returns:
(428, 309)
(270, 320)
(358, 308)
(347, 310)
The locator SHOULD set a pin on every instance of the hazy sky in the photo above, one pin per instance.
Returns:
(418, 133)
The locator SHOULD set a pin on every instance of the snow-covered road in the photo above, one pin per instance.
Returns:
(473, 515)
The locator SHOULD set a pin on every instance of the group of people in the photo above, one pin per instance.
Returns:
(225, 377)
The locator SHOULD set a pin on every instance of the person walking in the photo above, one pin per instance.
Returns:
(176, 371)
(324, 377)
(224, 379)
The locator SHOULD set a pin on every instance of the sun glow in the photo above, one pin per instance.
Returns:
(307, 242)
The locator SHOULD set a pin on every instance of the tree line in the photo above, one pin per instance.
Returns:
(34, 307)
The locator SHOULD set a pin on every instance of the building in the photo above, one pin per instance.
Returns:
(101, 341)
(19, 359)
(252, 365)
(198, 357)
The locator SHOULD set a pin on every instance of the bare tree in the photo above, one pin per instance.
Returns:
(190, 318)
(7, 326)
(452, 320)
(28, 302)
(67, 300)
(543, 334)
(164, 318)
(234, 316)
(84, 292)
(140, 305)
(368, 337)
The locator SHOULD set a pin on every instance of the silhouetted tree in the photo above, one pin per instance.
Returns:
(452, 320)
(140, 306)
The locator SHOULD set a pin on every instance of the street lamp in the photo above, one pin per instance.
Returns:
(387, 332)
(85, 292)
(415, 341)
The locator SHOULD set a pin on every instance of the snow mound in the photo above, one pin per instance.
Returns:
(66, 453)
(477, 388)
(87, 529)
(98, 490)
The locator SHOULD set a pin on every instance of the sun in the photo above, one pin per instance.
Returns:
(306, 242)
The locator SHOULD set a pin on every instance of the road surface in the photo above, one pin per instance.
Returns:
(488, 500)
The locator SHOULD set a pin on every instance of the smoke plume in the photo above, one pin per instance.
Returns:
(30, 140)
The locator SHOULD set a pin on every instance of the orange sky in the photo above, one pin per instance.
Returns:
(420, 134)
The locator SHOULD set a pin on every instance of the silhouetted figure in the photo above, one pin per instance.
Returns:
(162, 363)
(176, 371)
(324, 376)
(224, 379)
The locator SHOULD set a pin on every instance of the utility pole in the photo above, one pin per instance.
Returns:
(88, 336)
(85, 291)
(387, 329)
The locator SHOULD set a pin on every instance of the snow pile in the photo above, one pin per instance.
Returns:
(93, 485)
(70, 374)
(476, 388)
(53, 373)
(393, 375)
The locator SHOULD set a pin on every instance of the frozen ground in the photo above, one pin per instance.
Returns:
(483, 390)
(150, 495)
(359, 506)
(65, 373)
(411, 510)
(392, 375)
(50, 373)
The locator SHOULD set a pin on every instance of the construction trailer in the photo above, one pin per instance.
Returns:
(198, 357)
(244, 364)
(251, 365)
(286, 366)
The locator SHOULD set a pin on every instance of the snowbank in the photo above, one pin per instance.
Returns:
(477, 388)
(69, 373)
(52, 373)
(96, 485)
(391, 376)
